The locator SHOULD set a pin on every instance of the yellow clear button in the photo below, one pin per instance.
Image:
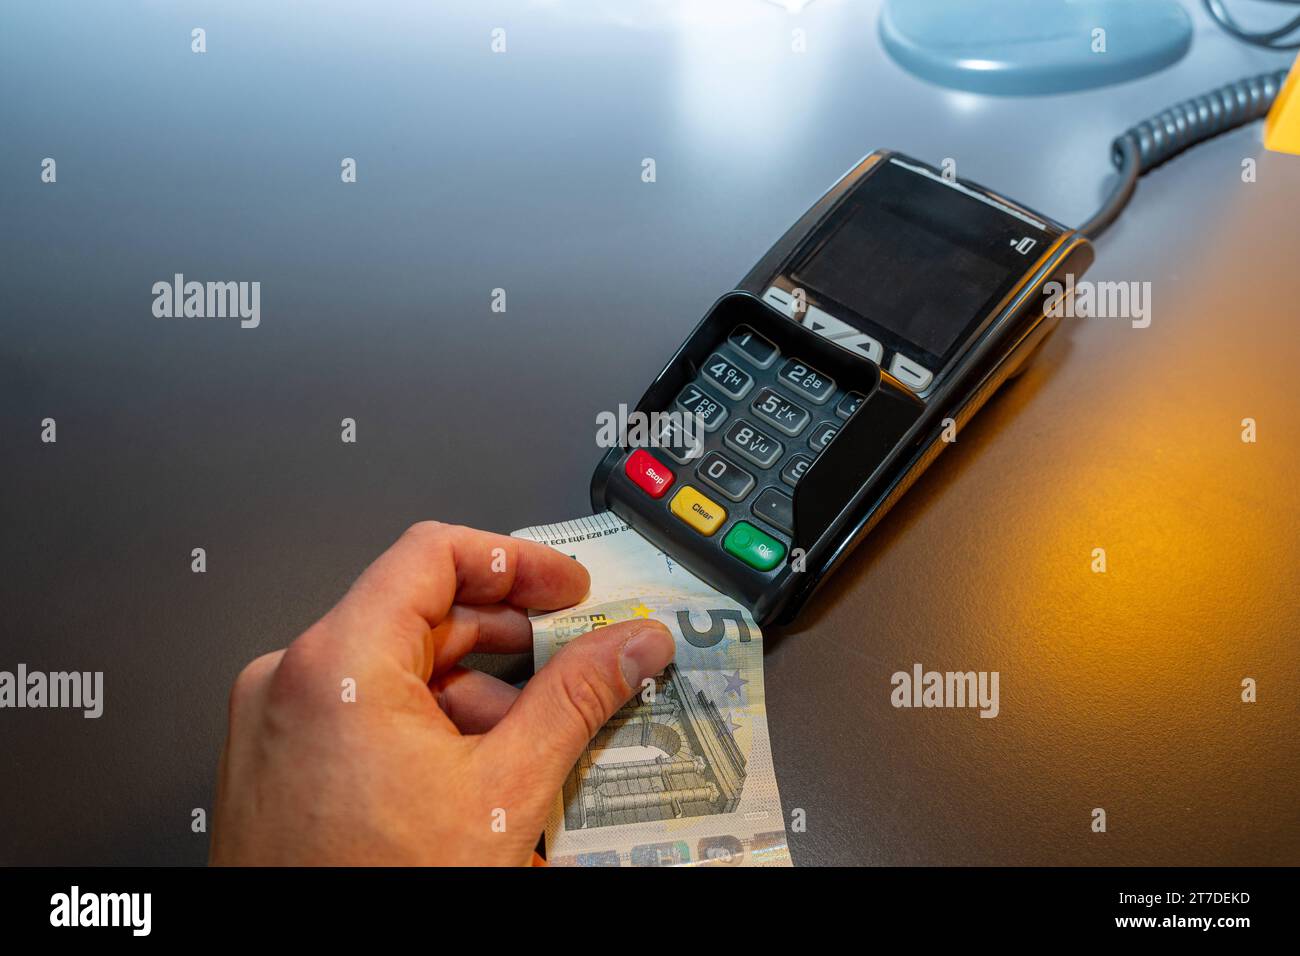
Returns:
(701, 513)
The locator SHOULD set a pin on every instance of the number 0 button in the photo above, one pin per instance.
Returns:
(730, 479)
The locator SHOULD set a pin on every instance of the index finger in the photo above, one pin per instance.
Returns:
(411, 587)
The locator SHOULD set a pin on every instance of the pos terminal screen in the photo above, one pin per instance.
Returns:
(919, 259)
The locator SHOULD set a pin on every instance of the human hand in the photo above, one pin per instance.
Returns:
(429, 762)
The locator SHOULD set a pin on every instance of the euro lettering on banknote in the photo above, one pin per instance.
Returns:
(682, 775)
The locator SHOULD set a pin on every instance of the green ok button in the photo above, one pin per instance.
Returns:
(758, 550)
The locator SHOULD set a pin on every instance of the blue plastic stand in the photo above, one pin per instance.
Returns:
(1025, 47)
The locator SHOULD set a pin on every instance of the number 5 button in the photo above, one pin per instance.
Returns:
(784, 414)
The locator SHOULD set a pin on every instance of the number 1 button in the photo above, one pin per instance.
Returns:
(753, 346)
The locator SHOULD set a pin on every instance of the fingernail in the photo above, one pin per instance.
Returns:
(646, 653)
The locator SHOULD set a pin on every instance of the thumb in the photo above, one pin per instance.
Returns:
(573, 696)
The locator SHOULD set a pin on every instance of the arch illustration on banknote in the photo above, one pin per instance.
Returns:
(682, 760)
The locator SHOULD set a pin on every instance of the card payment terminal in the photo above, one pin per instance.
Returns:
(811, 398)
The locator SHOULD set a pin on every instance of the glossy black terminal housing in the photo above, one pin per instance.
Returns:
(897, 430)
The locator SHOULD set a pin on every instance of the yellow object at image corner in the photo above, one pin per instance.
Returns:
(1282, 126)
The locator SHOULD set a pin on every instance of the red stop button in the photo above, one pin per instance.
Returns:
(650, 474)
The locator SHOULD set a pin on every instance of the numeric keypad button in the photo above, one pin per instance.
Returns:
(821, 435)
(794, 469)
(673, 441)
(776, 508)
(806, 381)
(849, 404)
(757, 446)
(696, 401)
(753, 346)
(726, 476)
(728, 377)
(781, 412)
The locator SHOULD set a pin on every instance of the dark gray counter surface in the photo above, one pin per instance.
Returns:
(522, 171)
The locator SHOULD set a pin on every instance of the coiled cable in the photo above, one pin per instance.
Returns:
(1145, 146)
